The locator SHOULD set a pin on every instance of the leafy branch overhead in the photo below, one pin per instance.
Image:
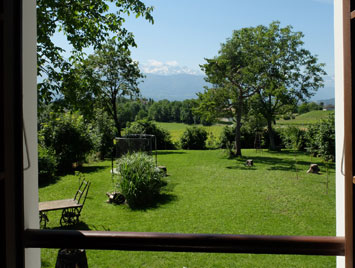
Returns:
(85, 23)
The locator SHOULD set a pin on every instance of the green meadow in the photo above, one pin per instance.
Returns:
(208, 193)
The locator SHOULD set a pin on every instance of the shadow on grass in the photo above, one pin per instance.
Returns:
(242, 167)
(169, 152)
(48, 182)
(90, 169)
(279, 163)
(79, 226)
(158, 201)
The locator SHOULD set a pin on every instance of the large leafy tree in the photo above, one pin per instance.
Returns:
(288, 73)
(265, 66)
(85, 23)
(102, 79)
(233, 76)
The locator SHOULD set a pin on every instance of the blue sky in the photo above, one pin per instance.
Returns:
(187, 31)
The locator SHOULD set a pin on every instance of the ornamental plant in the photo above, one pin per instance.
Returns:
(139, 179)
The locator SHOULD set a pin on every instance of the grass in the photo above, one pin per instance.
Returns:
(177, 129)
(208, 193)
(306, 119)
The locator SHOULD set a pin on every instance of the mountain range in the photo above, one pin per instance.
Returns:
(185, 86)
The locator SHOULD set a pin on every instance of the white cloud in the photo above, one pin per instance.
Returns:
(166, 68)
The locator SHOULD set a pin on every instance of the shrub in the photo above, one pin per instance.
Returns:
(47, 165)
(68, 136)
(321, 138)
(293, 138)
(140, 180)
(103, 134)
(247, 137)
(194, 138)
(148, 127)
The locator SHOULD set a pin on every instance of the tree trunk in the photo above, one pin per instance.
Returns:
(272, 145)
(115, 118)
(238, 145)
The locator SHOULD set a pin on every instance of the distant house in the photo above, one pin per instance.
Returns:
(329, 107)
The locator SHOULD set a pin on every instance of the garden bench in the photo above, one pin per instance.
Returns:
(71, 208)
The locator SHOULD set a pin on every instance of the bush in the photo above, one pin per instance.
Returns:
(247, 137)
(321, 138)
(194, 138)
(68, 136)
(104, 134)
(148, 127)
(47, 165)
(140, 180)
(293, 138)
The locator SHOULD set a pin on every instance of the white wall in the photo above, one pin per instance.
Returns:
(339, 121)
(32, 256)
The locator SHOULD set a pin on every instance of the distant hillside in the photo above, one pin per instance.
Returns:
(309, 118)
(327, 102)
(172, 87)
(185, 86)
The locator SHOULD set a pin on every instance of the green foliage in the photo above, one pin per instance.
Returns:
(148, 127)
(105, 132)
(85, 24)
(307, 107)
(293, 138)
(194, 138)
(139, 179)
(68, 136)
(321, 138)
(47, 164)
(106, 76)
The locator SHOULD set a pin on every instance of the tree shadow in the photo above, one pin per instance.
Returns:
(47, 182)
(159, 200)
(169, 152)
(89, 169)
(242, 167)
(278, 163)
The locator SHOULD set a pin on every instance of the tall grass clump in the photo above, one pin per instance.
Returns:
(140, 180)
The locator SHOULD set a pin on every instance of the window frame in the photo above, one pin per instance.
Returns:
(17, 239)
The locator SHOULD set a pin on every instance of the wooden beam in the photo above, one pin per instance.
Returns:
(348, 137)
(134, 241)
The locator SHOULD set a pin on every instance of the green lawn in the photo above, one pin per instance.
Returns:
(208, 193)
(306, 119)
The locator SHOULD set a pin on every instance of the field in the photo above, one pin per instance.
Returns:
(302, 121)
(208, 193)
(306, 119)
(177, 129)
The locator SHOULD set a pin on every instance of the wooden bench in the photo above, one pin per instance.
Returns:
(71, 208)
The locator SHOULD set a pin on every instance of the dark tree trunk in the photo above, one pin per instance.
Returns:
(238, 145)
(115, 118)
(270, 130)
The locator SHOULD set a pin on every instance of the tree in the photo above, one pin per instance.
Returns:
(233, 75)
(287, 73)
(106, 76)
(265, 65)
(85, 23)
